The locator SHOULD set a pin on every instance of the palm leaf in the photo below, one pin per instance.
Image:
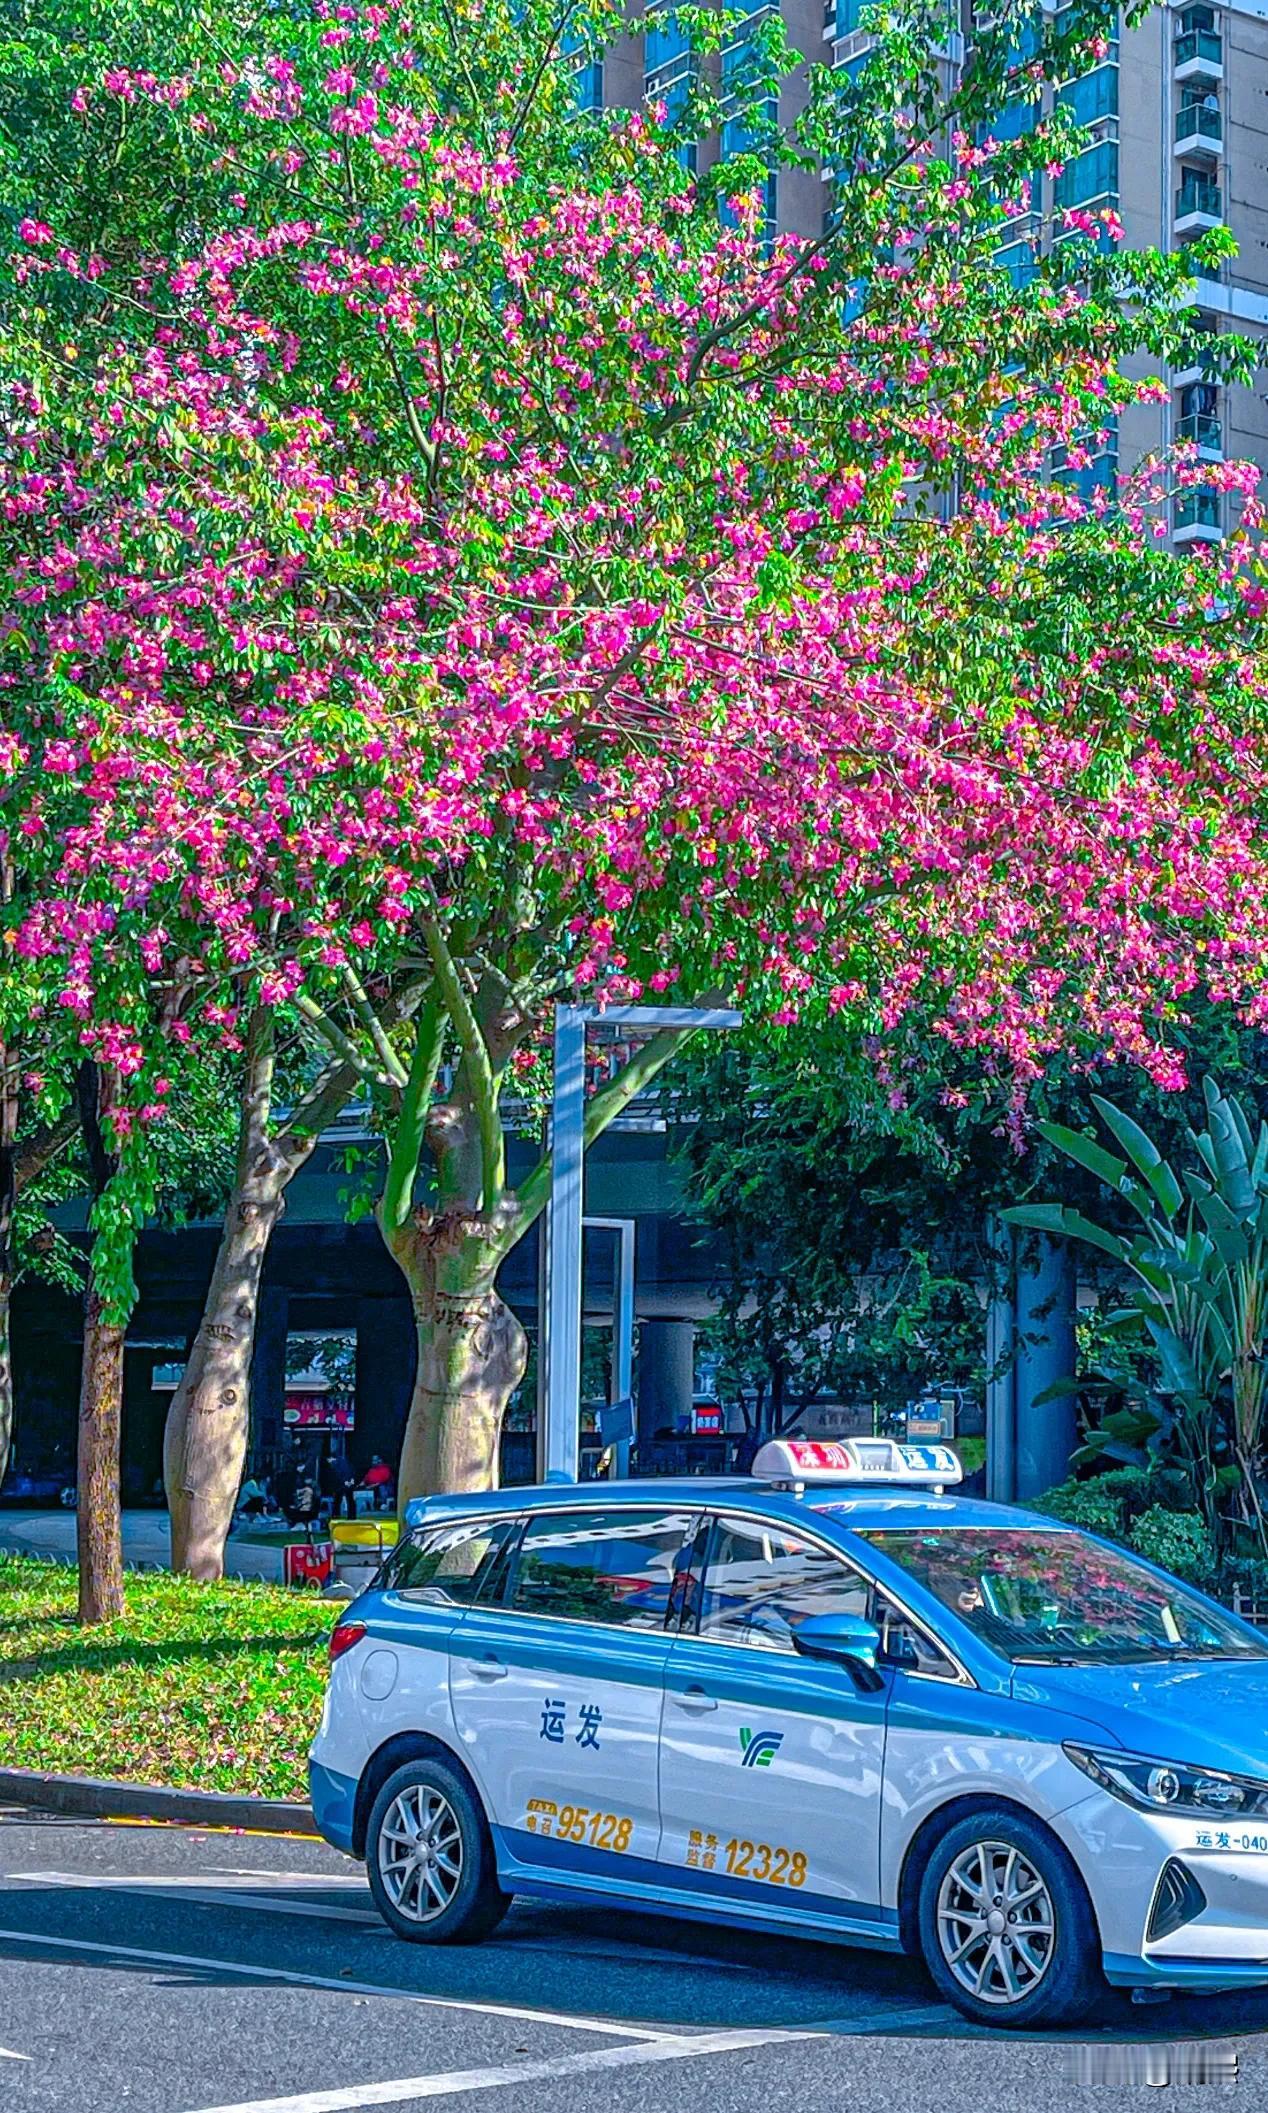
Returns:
(1085, 1152)
(1143, 1154)
(1065, 1224)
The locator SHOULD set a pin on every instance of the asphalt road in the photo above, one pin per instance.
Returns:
(168, 1972)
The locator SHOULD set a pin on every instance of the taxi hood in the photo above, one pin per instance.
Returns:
(1213, 1713)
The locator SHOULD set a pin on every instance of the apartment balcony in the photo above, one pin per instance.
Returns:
(1199, 205)
(1201, 369)
(1198, 55)
(1195, 518)
(1203, 431)
(1199, 132)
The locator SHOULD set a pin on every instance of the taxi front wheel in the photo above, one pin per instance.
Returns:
(429, 1857)
(1006, 1926)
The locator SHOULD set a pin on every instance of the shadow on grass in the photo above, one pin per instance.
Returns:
(93, 1657)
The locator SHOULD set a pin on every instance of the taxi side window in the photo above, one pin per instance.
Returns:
(905, 1646)
(613, 1566)
(449, 1565)
(762, 1580)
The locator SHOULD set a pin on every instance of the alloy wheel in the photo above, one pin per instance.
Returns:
(420, 1852)
(996, 1923)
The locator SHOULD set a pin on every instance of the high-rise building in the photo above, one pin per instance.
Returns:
(1177, 142)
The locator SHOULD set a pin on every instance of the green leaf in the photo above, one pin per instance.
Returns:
(1085, 1152)
(1066, 1224)
(1143, 1154)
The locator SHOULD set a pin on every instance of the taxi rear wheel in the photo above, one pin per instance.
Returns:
(1006, 1926)
(429, 1857)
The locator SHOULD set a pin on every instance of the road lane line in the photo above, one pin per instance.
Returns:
(7, 2055)
(449, 2084)
(341, 1987)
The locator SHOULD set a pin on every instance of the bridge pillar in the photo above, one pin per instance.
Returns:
(1030, 1346)
(666, 1374)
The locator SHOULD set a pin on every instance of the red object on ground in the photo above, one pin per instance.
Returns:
(308, 1563)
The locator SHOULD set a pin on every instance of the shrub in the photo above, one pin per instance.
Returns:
(1177, 1541)
(1087, 1505)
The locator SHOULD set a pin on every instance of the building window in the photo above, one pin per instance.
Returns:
(1019, 261)
(1093, 97)
(1088, 176)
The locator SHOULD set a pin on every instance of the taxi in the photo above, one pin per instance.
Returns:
(830, 1700)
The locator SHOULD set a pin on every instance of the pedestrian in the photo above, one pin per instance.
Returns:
(338, 1483)
(378, 1480)
(251, 1498)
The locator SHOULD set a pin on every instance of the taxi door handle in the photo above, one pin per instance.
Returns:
(487, 1668)
(694, 1698)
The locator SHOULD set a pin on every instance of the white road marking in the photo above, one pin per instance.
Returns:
(448, 2084)
(7, 2055)
(642, 2033)
(290, 1878)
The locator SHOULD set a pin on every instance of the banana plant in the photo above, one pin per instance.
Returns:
(1199, 1265)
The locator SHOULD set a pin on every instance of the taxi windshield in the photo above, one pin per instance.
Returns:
(1057, 1598)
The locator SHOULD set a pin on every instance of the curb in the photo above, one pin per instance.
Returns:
(88, 1797)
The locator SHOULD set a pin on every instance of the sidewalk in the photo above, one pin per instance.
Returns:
(147, 1542)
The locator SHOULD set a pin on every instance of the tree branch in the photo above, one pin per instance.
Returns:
(374, 1027)
(44, 1146)
(332, 1034)
(402, 1171)
(476, 1062)
(609, 1102)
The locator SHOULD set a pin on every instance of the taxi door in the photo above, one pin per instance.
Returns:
(771, 1764)
(557, 1693)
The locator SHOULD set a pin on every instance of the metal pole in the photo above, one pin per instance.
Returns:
(623, 1330)
(622, 1377)
(559, 1442)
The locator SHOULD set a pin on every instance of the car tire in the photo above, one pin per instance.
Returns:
(441, 1886)
(1006, 1926)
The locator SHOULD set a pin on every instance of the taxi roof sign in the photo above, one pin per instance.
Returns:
(791, 1462)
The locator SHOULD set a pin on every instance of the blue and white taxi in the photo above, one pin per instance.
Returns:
(831, 1699)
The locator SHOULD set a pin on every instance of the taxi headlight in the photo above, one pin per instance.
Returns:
(1170, 1786)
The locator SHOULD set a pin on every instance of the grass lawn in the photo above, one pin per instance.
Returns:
(208, 1687)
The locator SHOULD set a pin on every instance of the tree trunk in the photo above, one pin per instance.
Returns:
(99, 1527)
(208, 1425)
(471, 1353)
(6, 1370)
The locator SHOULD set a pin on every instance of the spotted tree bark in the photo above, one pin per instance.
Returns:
(471, 1349)
(471, 1352)
(99, 1521)
(99, 1525)
(208, 1424)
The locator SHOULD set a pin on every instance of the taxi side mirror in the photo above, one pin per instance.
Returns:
(846, 1639)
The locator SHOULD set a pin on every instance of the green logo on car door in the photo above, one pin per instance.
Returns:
(759, 1748)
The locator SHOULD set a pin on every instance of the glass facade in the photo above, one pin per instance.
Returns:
(1089, 176)
(1093, 97)
(669, 67)
(748, 132)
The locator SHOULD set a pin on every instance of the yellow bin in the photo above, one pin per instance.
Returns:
(360, 1547)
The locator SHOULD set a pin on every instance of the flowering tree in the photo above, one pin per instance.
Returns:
(475, 565)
